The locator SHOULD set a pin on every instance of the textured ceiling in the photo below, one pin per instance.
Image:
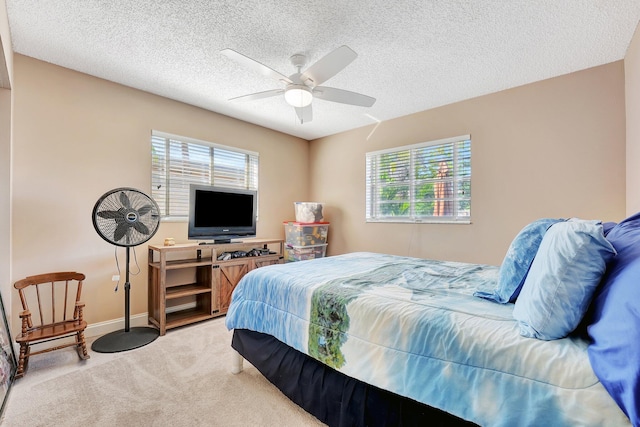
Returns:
(412, 55)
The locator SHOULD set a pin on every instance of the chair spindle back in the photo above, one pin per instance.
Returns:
(62, 289)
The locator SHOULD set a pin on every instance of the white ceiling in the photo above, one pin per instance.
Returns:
(412, 54)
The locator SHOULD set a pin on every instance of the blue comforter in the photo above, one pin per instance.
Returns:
(413, 327)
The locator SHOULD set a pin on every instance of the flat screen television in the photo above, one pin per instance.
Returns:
(219, 214)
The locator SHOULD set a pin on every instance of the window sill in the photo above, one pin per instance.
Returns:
(420, 221)
(174, 219)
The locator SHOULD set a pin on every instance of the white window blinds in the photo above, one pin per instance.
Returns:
(427, 182)
(178, 161)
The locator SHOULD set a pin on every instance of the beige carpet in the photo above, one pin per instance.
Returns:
(181, 379)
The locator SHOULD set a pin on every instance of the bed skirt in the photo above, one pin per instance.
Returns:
(332, 397)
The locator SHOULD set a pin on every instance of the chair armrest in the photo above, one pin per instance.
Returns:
(26, 324)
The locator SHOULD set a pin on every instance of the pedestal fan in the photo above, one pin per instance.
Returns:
(126, 217)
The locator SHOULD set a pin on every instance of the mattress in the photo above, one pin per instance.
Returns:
(413, 327)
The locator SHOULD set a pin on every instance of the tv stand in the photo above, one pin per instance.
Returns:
(187, 283)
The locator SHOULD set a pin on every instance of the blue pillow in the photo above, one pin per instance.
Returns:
(517, 261)
(615, 325)
(570, 263)
(607, 227)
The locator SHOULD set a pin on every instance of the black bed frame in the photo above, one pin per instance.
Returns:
(332, 397)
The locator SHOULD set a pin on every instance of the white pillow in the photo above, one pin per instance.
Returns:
(570, 262)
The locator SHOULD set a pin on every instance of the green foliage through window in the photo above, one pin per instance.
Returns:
(428, 182)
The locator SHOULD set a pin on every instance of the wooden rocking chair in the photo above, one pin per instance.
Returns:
(62, 319)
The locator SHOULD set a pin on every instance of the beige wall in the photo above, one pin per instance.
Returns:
(632, 97)
(6, 64)
(5, 196)
(77, 137)
(554, 148)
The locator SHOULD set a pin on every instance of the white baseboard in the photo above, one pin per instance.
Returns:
(101, 328)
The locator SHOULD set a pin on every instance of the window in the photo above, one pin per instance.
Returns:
(178, 161)
(427, 182)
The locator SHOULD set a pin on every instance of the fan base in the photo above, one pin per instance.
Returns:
(118, 341)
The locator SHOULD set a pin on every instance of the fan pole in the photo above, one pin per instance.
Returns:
(127, 296)
(129, 338)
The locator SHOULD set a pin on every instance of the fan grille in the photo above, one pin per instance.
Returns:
(126, 217)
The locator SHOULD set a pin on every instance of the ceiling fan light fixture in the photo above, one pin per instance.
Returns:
(298, 95)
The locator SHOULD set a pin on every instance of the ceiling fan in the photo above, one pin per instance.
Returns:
(301, 87)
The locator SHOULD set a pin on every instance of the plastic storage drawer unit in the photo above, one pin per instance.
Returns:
(306, 234)
(301, 253)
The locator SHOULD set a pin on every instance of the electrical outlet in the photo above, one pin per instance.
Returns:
(115, 278)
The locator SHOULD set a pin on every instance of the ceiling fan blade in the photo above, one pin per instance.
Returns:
(258, 95)
(254, 65)
(343, 96)
(329, 65)
(305, 114)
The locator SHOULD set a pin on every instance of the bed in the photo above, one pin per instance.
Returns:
(377, 339)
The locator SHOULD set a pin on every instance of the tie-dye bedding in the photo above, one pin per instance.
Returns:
(413, 327)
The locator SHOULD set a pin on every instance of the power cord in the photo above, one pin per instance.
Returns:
(136, 261)
(135, 257)
(115, 254)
